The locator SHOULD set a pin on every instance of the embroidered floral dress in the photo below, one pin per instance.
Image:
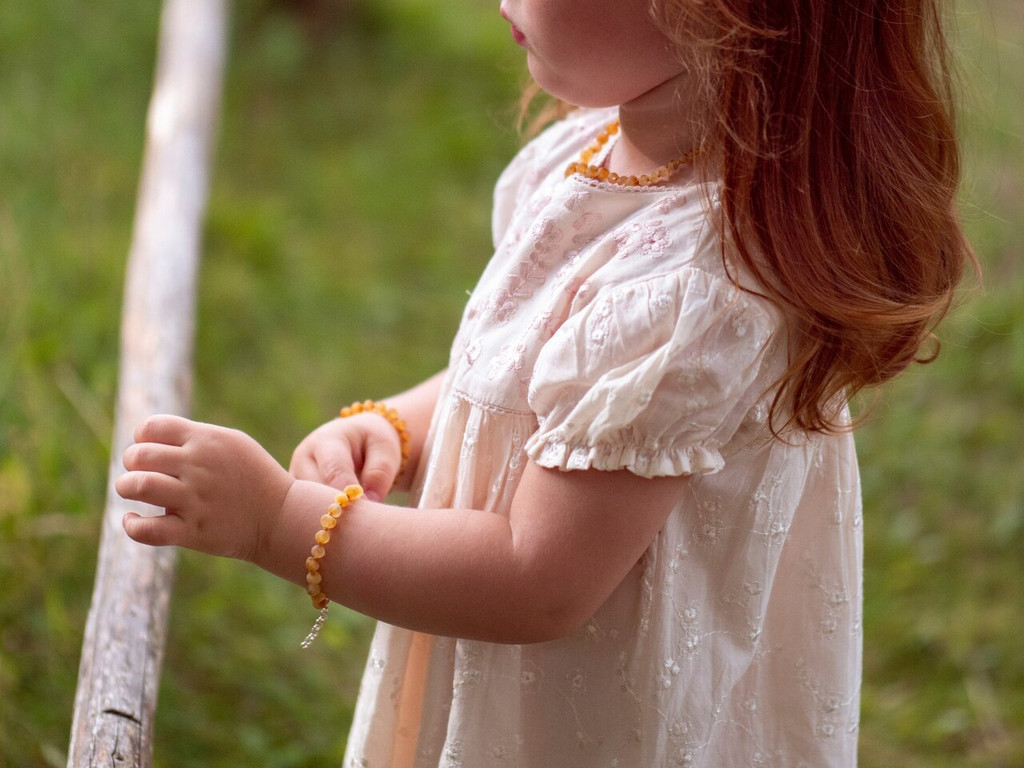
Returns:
(605, 334)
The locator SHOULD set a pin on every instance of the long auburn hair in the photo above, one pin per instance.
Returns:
(832, 129)
(830, 126)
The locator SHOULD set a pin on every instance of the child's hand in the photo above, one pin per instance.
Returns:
(362, 449)
(219, 486)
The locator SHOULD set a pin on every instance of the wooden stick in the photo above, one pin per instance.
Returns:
(123, 647)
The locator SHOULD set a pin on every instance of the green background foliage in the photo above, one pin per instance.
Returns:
(349, 216)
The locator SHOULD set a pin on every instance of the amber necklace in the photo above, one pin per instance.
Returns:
(600, 173)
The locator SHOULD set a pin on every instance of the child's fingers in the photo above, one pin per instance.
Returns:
(154, 488)
(380, 468)
(153, 457)
(163, 428)
(334, 468)
(160, 531)
(303, 466)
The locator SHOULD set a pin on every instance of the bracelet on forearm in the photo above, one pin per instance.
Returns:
(369, 406)
(313, 576)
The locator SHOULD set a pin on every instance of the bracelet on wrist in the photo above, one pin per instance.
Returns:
(330, 520)
(314, 578)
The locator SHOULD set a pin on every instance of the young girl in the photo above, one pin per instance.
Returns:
(637, 535)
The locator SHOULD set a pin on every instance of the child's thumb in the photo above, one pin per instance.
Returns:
(379, 470)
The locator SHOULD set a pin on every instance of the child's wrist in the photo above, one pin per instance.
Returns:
(281, 538)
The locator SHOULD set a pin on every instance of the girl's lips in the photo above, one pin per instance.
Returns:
(517, 35)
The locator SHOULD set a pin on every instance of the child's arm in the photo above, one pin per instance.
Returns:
(537, 575)
(364, 449)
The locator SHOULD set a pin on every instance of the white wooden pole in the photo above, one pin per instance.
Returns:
(124, 637)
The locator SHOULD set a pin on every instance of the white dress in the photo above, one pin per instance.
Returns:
(604, 333)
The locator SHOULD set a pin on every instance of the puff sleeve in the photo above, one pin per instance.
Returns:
(654, 376)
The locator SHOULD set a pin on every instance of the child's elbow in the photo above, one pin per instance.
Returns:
(560, 626)
(547, 620)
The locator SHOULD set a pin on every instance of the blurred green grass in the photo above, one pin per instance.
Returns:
(348, 217)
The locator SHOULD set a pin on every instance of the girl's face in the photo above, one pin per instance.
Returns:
(592, 53)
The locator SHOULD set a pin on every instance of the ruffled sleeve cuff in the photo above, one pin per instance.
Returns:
(654, 377)
(548, 450)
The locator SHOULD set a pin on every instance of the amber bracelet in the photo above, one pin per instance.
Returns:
(316, 554)
(369, 406)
